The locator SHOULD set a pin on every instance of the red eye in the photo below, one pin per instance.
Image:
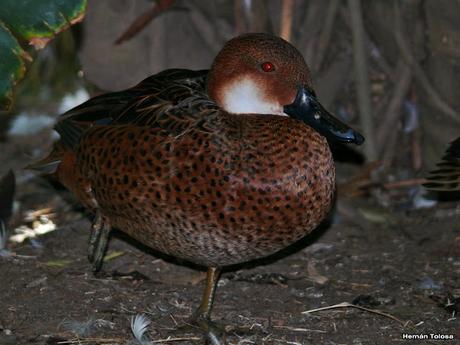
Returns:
(267, 67)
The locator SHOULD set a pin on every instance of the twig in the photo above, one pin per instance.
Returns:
(362, 78)
(326, 34)
(260, 20)
(381, 105)
(286, 19)
(240, 17)
(102, 340)
(309, 30)
(419, 74)
(390, 148)
(172, 340)
(349, 305)
(376, 56)
(358, 183)
(354, 285)
(90, 340)
(405, 183)
(17, 256)
(297, 329)
(332, 80)
(392, 114)
(279, 341)
(141, 22)
(366, 185)
(390, 142)
(417, 155)
(206, 27)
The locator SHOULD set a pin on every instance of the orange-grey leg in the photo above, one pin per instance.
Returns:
(202, 316)
(204, 310)
(98, 241)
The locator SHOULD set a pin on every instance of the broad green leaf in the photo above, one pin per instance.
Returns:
(12, 65)
(35, 22)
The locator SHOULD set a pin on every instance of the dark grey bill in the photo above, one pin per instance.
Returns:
(307, 108)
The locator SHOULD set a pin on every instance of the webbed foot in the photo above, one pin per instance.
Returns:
(213, 333)
(201, 318)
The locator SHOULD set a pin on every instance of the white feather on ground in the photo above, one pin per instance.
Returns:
(79, 328)
(85, 328)
(139, 325)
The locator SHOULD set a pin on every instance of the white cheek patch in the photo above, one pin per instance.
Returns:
(244, 96)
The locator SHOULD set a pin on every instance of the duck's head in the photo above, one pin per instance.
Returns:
(264, 74)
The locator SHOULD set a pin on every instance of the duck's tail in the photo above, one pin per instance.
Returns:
(61, 164)
(447, 176)
(49, 164)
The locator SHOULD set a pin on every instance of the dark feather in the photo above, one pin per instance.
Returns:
(447, 176)
(169, 100)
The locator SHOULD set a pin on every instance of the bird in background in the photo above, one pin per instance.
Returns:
(447, 175)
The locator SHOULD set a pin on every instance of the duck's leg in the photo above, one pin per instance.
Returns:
(201, 318)
(98, 239)
(204, 310)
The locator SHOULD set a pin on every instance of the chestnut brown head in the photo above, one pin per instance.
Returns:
(264, 74)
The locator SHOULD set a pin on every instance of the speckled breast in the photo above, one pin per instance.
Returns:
(227, 190)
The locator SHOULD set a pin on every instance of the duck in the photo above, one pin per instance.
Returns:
(215, 167)
(446, 178)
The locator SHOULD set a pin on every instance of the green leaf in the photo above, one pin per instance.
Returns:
(35, 22)
(12, 66)
(58, 263)
(113, 255)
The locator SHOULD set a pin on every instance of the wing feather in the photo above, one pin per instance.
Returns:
(171, 100)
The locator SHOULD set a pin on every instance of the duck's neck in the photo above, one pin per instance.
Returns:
(245, 96)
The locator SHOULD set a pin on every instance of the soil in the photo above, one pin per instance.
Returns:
(402, 263)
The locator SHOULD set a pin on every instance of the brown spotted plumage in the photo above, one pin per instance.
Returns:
(176, 163)
(214, 197)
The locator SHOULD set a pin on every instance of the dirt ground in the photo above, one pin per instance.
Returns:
(404, 263)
